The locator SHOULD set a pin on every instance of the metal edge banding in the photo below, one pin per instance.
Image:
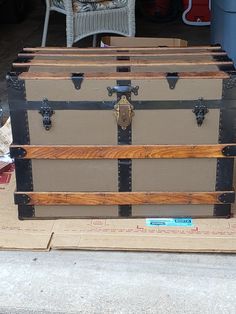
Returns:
(26, 212)
(109, 105)
(124, 138)
(21, 136)
(225, 167)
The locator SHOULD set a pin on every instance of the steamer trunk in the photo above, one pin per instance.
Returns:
(132, 132)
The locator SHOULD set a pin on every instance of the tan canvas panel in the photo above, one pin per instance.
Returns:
(173, 210)
(74, 127)
(96, 90)
(174, 126)
(174, 175)
(76, 211)
(175, 68)
(64, 90)
(75, 175)
(77, 69)
(184, 90)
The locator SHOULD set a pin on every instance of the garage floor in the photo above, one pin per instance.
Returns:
(110, 282)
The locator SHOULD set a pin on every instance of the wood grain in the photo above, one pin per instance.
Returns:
(109, 63)
(121, 75)
(123, 54)
(123, 198)
(73, 49)
(123, 151)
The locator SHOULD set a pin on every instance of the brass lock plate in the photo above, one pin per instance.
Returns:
(124, 112)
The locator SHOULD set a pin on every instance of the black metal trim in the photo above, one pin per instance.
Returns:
(229, 86)
(26, 211)
(24, 179)
(124, 138)
(225, 167)
(20, 128)
(222, 211)
(220, 58)
(109, 105)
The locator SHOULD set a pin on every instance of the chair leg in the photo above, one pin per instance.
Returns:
(45, 29)
(95, 40)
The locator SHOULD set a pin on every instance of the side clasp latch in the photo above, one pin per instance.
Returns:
(200, 111)
(124, 112)
(46, 112)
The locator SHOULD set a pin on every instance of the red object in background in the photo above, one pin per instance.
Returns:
(154, 7)
(197, 12)
(6, 170)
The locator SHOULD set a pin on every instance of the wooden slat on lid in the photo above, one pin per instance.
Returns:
(123, 54)
(64, 49)
(120, 75)
(118, 63)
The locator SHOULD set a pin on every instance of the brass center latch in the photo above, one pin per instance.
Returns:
(124, 112)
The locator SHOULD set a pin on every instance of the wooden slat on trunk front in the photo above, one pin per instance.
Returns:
(123, 151)
(122, 198)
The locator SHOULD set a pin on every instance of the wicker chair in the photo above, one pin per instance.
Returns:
(79, 25)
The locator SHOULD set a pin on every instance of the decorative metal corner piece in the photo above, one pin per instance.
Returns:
(124, 112)
(123, 90)
(200, 111)
(17, 152)
(77, 79)
(229, 151)
(21, 199)
(230, 82)
(172, 79)
(227, 198)
(46, 112)
(14, 81)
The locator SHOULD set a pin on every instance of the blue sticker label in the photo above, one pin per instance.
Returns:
(169, 222)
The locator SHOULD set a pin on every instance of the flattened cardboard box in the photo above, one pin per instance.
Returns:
(207, 235)
(116, 41)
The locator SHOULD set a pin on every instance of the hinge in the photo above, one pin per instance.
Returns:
(172, 79)
(124, 112)
(46, 112)
(17, 152)
(21, 199)
(229, 151)
(227, 198)
(200, 111)
(77, 79)
(14, 81)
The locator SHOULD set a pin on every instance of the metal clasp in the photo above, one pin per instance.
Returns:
(46, 112)
(124, 112)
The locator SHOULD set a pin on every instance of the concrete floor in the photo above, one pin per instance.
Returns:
(115, 282)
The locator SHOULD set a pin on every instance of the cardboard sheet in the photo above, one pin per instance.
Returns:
(206, 235)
